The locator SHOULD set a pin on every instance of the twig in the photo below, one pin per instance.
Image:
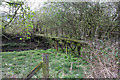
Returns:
(71, 66)
(6, 37)
(12, 17)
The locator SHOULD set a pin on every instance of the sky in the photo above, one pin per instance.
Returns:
(34, 4)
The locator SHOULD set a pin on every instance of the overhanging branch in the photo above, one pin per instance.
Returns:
(12, 17)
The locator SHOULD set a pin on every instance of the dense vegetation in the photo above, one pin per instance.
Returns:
(19, 64)
(61, 65)
(96, 23)
(80, 20)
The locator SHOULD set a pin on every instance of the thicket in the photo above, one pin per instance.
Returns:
(96, 22)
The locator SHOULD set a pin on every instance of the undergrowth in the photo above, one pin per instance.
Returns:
(19, 64)
(99, 60)
(14, 45)
(103, 59)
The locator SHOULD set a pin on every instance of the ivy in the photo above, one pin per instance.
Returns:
(21, 38)
(30, 26)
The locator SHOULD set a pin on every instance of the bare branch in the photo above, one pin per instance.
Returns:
(12, 17)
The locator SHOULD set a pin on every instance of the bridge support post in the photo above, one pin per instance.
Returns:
(56, 45)
(78, 48)
(66, 48)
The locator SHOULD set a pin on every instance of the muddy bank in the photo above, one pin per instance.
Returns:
(18, 45)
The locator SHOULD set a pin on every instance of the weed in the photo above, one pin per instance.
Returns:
(21, 63)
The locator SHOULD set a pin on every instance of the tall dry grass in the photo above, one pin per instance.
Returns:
(103, 60)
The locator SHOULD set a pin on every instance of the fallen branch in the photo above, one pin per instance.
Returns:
(6, 37)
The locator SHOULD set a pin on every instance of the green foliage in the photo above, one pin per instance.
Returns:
(19, 23)
(30, 26)
(20, 38)
(14, 45)
(21, 63)
(2, 27)
(29, 16)
(78, 19)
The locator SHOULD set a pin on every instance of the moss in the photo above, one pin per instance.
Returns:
(65, 39)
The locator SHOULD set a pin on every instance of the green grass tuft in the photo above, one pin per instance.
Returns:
(21, 63)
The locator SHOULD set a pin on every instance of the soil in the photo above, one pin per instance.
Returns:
(29, 44)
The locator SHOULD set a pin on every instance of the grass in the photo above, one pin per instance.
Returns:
(19, 64)
(14, 44)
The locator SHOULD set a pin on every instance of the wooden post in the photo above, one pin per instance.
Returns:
(45, 67)
(56, 45)
(63, 46)
(66, 49)
(78, 48)
(36, 69)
